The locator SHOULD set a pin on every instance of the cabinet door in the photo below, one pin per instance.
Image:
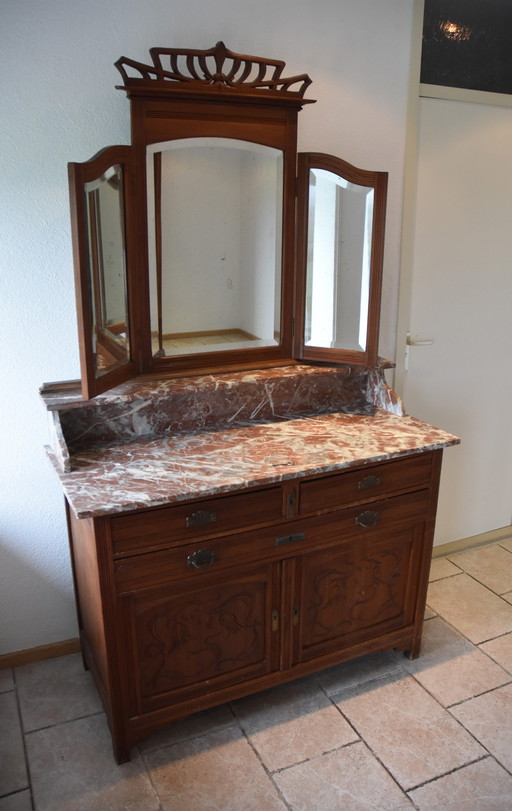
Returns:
(357, 591)
(203, 636)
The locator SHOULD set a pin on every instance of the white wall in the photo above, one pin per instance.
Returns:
(59, 105)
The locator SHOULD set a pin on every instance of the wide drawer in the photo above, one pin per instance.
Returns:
(287, 539)
(171, 525)
(365, 484)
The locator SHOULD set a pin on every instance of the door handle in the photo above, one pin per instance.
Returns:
(414, 342)
(419, 342)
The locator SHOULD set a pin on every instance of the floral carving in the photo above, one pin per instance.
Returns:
(200, 638)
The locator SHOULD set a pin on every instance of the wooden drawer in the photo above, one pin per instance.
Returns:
(171, 525)
(365, 484)
(288, 539)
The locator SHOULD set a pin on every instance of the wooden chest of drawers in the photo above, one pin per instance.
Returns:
(191, 605)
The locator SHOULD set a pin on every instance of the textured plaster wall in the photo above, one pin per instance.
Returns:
(59, 105)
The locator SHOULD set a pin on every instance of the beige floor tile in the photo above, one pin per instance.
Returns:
(198, 724)
(500, 650)
(21, 801)
(470, 607)
(54, 691)
(507, 596)
(350, 779)
(429, 613)
(292, 723)
(6, 680)
(72, 769)
(490, 565)
(363, 669)
(442, 567)
(451, 668)
(482, 786)
(414, 737)
(13, 774)
(506, 544)
(489, 719)
(215, 771)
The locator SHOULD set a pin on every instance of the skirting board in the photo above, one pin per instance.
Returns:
(485, 538)
(25, 657)
(30, 655)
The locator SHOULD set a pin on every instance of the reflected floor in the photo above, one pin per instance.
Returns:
(208, 341)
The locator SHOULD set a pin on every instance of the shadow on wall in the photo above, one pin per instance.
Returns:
(45, 601)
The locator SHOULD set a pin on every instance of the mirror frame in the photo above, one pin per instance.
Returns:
(79, 174)
(193, 201)
(361, 177)
(221, 94)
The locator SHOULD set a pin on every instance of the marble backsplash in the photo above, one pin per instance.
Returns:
(174, 406)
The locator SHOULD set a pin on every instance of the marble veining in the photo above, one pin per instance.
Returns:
(141, 408)
(147, 444)
(154, 471)
(189, 404)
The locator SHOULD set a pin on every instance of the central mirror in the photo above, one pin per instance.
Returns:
(215, 215)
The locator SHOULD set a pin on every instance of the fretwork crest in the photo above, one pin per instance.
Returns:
(217, 67)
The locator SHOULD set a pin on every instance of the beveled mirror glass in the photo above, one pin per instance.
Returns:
(340, 222)
(340, 248)
(107, 270)
(215, 212)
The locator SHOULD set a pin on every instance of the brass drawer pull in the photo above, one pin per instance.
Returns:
(285, 539)
(369, 482)
(201, 517)
(202, 559)
(368, 519)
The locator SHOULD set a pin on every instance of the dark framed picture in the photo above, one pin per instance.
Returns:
(468, 44)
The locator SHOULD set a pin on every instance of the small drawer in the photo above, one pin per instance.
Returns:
(201, 560)
(171, 525)
(213, 556)
(365, 484)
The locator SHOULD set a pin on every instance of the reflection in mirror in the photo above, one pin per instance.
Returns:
(107, 274)
(215, 240)
(338, 261)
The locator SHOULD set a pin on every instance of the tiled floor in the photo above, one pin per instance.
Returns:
(377, 733)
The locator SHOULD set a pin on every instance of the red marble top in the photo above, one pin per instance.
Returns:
(157, 470)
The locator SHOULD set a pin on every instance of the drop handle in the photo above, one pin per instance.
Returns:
(370, 481)
(202, 559)
(200, 518)
(368, 519)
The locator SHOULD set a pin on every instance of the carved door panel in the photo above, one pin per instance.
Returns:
(357, 590)
(204, 635)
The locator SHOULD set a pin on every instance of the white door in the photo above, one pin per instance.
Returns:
(462, 302)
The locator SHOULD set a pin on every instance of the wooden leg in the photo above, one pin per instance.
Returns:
(414, 651)
(121, 754)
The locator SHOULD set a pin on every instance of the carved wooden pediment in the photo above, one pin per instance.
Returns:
(217, 68)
